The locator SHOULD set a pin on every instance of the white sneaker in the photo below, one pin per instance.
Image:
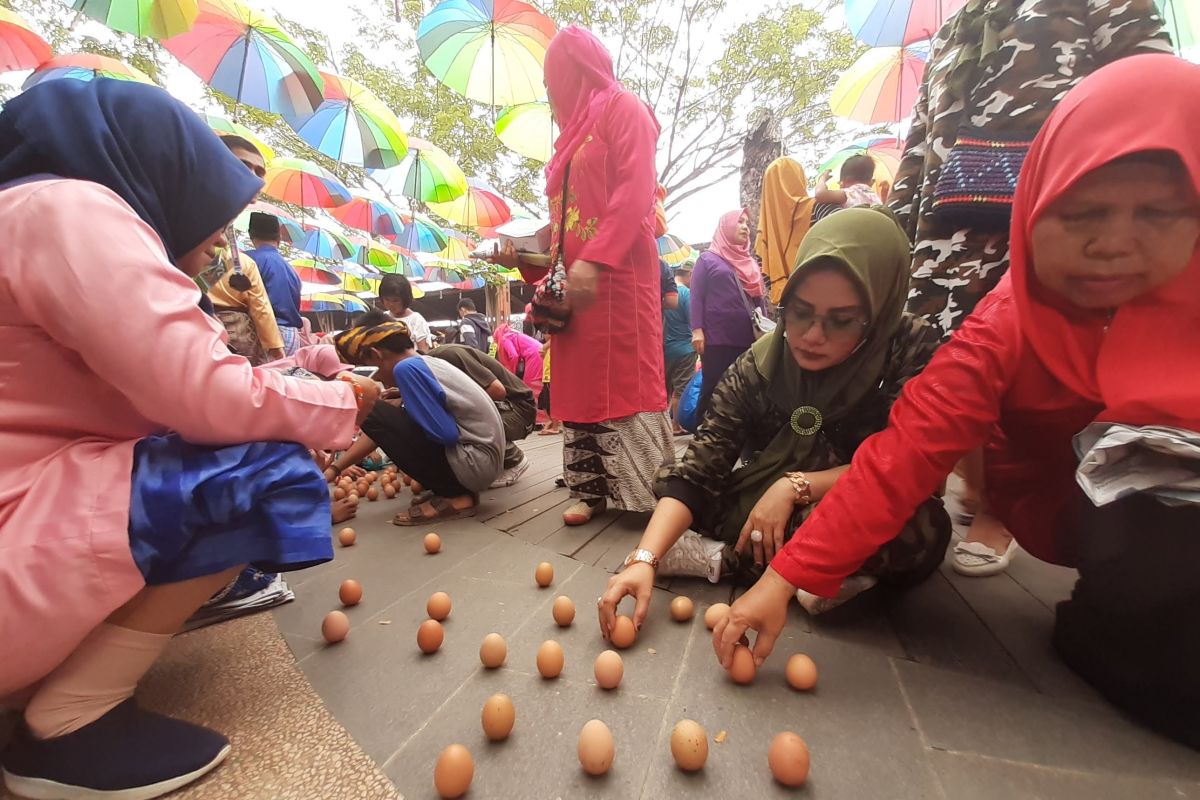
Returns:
(851, 587)
(693, 556)
(511, 475)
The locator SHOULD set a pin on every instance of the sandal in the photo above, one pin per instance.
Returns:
(548, 432)
(581, 511)
(421, 497)
(443, 512)
(977, 560)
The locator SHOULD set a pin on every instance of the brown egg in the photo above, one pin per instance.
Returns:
(372, 494)
(493, 651)
(361, 487)
(389, 490)
(544, 574)
(788, 759)
(453, 773)
(682, 609)
(596, 748)
(347, 537)
(623, 633)
(564, 611)
(430, 636)
(350, 592)
(801, 672)
(715, 613)
(352, 496)
(742, 669)
(438, 606)
(550, 659)
(335, 627)
(339, 493)
(689, 745)
(433, 543)
(498, 717)
(609, 669)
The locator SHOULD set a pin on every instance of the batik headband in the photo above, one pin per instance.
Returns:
(350, 343)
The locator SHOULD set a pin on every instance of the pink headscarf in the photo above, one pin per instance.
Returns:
(737, 255)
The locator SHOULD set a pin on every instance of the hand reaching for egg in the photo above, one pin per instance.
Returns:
(764, 609)
(637, 581)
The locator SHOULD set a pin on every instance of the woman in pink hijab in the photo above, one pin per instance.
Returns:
(727, 286)
(520, 355)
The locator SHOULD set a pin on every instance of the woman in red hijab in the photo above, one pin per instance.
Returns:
(1098, 321)
(608, 365)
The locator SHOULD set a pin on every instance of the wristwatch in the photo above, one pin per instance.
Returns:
(644, 556)
(801, 485)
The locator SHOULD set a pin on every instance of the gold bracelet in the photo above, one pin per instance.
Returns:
(801, 485)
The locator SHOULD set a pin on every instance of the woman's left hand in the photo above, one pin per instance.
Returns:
(582, 278)
(763, 608)
(770, 517)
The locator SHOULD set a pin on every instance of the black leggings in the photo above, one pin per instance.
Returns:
(417, 456)
(1132, 625)
(714, 362)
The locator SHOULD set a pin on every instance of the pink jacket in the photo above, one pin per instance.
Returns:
(103, 344)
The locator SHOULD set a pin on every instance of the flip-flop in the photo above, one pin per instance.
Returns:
(544, 432)
(977, 560)
(445, 511)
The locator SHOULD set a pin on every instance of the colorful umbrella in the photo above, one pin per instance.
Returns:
(324, 244)
(353, 126)
(290, 230)
(20, 47)
(420, 235)
(1181, 18)
(882, 85)
(371, 216)
(674, 250)
(426, 174)
(85, 67)
(247, 56)
(487, 50)
(458, 249)
(311, 271)
(359, 283)
(332, 301)
(406, 264)
(895, 23)
(303, 183)
(886, 150)
(225, 127)
(371, 253)
(479, 207)
(527, 130)
(154, 18)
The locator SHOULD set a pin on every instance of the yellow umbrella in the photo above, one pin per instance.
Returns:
(882, 85)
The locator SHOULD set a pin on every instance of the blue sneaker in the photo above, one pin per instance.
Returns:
(128, 754)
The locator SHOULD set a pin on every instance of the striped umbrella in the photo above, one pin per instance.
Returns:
(426, 174)
(406, 264)
(333, 301)
(86, 67)
(674, 250)
(314, 272)
(481, 206)
(157, 19)
(375, 217)
(303, 183)
(289, 229)
(886, 150)
(527, 130)
(420, 235)
(324, 244)
(20, 46)
(371, 253)
(353, 126)
(882, 85)
(895, 23)
(225, 127)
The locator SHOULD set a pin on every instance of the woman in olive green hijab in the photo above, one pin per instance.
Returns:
(793, 409)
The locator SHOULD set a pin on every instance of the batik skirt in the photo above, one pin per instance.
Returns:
(616, 460)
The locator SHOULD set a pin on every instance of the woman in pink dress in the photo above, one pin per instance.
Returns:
(520, 355)
(144, 464)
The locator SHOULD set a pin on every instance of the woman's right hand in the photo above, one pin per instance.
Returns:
(506, 257)
(636, 581)
(698, 341)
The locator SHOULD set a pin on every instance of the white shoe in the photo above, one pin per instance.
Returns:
(511, 475)
(693, 556)
(851, 587)
(977, 560)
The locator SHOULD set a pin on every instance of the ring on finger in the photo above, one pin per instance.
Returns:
(756, 536)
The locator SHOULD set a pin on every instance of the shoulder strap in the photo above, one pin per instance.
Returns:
(562, 224)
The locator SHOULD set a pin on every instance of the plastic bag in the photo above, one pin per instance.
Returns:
(689, 402)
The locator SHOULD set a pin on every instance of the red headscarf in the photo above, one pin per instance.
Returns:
(1145, 369)
(737, 255)
(580, 81)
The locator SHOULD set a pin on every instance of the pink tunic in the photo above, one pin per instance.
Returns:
(511, 348)
(103, 344)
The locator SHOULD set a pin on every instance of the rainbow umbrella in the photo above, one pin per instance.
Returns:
(353, 126)
(406, 264)
(895, 23)
(674, 250)
(527, 130)
(882, 85)
(311, 271)
(490, 51)
(332, 301)
(457, 250)
(20, 46)
(359, 283)
(420, 235)
(225, 127)
(303, 183)
(85, 67)
(370, 253)
(426, 174)
(886, 150)
(370, 216)
(480, 206)
(289, 229)
(158, 19)
(247, 56)
(1181, 18)
(324, 244)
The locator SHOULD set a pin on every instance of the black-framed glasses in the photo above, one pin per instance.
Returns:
(837, 327)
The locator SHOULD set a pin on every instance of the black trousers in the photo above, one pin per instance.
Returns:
(713, 363)
(1132, 626)
(418, 456)
(518, 419)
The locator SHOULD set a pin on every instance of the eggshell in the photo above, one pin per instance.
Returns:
(564, 611)
(498, 717)
(788, 759)
(433, 543)
(372, 494)
(493, 651)
(609, 669)
(682, 609)
(389, 490)
(438, 606)
(689, 745)
(544, 574)
(339, 493)
(352, 496)
(453, 773)
(430, 636)
(550, 659)
(623, 633)
(596, 749)
(361, 487)
(350, 592)
(335, 627)
(742, 669)
(347, 537)
(801, 672)
(715, 613)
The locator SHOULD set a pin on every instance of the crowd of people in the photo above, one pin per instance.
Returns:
(853, 356)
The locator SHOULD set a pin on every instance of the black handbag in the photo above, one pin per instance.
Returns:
(549, 310)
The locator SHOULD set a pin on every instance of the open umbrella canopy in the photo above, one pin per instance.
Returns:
(314, 272)
(85, 67)
(303, 183)
(882, 85)
(527, 130)
(490, 51)
(479, 207)
(158, 19)
(426, 174)
(895, 23)
(332, 301)
(225, 127)
(406, 264)
(353, 126)
(371, 253)
(375, 217)
(674, 250)
(420, 235)
(324, 244)
(290, 230)
(20, 46)
(1181, 19)
(247, 56)
(886, 150)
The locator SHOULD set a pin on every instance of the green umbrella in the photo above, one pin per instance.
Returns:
(159, 19)
(426, 174)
